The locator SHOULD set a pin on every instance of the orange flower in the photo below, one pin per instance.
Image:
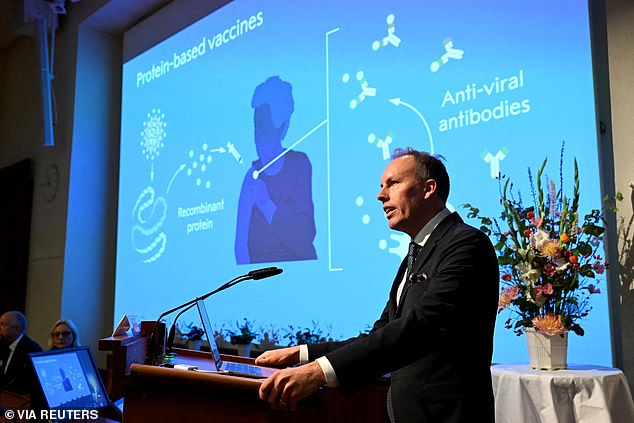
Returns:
(530, 215)
(550, 324)
(528, 233)
(573, 259)
(551, 249)
(564, 238)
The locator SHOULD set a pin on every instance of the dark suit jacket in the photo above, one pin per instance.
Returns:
(19, 376)
(438, 342)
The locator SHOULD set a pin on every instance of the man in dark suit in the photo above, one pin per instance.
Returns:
(435, 334)
(16, 373)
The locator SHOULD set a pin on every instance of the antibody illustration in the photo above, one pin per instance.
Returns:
(450, 53)
(366, 90)
(391, 38)
(384, 145)
(153, 134)
(495, 161)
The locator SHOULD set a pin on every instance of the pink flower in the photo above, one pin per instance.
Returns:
(538, 291)
(507, 296)
(598, 267)
(550, 268)
(548, 289)
(537, 222)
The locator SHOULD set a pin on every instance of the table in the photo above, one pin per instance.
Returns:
(580, 393)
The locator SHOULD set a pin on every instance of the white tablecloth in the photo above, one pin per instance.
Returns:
(581, 393)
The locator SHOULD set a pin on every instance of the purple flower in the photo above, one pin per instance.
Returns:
(599, 267)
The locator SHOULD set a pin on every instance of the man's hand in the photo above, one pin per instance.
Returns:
(286, 387)
(280, 357)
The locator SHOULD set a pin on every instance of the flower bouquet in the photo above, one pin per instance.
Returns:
(549, 256)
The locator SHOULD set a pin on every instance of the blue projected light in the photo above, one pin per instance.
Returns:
(218, 176)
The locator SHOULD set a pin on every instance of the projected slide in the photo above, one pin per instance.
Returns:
(63, 381)
(257, 137)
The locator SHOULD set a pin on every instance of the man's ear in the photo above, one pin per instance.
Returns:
(430, 186)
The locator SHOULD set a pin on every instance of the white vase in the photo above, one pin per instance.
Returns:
(547, 352)
(244, 350)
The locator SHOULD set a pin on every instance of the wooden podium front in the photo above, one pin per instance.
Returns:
(160, 394)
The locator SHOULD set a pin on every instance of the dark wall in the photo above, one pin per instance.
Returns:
(16, 194)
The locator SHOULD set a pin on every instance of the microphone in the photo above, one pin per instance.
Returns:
(264, 273)
(253, 274)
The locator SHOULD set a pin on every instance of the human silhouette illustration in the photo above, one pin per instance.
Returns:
(65, 381)
(275, 211)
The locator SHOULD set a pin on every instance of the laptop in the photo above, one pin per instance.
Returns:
(70, 380)
(229, 367)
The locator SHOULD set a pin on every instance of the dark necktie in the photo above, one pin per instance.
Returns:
(412, 252)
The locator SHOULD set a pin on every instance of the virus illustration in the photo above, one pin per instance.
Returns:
(153, 134)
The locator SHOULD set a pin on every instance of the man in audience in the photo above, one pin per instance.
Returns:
(16, 371)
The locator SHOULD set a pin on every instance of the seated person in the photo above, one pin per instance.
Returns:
(16, 371)
(63, 335)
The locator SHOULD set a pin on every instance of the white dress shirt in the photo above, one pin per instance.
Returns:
(12, 347)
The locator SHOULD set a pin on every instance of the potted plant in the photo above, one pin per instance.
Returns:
(242, 337)
(194, 336)
(220, 337)
(306, 335)
(269, 338)
(550, 264)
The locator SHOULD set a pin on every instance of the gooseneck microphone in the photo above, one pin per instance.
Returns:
(264, 273)
(253, 274)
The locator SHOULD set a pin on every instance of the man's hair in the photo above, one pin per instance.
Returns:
(278, 95)
(429, 166)
(19, 319)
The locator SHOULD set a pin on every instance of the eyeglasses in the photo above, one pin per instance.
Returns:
(63, 333)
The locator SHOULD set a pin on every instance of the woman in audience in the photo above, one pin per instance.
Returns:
(63, 335)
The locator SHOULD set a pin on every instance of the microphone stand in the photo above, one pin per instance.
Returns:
(172, 332)
(149, 359)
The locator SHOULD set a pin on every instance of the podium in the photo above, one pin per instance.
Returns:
(126, 350)
(162, 394)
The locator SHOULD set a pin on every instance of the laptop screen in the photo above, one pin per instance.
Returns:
(209, 332)
(69, 379)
